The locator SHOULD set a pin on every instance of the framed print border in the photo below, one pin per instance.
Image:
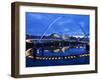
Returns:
(15, 38)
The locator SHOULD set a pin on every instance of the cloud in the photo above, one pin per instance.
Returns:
(37, 16)
(66, 21)
(66, 29)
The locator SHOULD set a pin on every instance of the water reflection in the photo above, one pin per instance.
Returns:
(60, 50)
(55, 48)
(57, 55)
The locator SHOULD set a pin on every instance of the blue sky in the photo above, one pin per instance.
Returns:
(47, 23)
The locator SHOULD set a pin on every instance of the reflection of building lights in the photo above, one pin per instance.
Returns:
(84, 55)
(40, 58)
(37, 57)
(68, 57)
(55, 57)
(80, 56)
(59, 57)
(49, 58)
(71, 57)
(74, 56)
(65, 57)
(81, 47)
(46, 50)
(52, 58)
(43, 58)
(46, 58)
(38, 51)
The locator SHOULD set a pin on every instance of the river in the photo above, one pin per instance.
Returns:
(50, 57)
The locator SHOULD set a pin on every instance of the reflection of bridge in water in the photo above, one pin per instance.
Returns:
(47, 46)
(59, 44)
(54, 43)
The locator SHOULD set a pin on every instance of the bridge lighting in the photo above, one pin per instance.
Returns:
(74, 56)
(86, 54)
(55, 57)
(49, 58)
(37, 58)
(68, 57)
(40, 58)
(52, 58)
(59, 57)
(65, 57)
(80, 56)
(71, 57)
(46, 58)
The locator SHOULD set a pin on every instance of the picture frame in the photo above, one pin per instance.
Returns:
(26, 21)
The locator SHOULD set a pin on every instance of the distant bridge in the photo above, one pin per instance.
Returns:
(82, 42)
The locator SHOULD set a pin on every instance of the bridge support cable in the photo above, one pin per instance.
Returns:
(54, 21)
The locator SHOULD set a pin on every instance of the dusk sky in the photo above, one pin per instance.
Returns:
(47, 23)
